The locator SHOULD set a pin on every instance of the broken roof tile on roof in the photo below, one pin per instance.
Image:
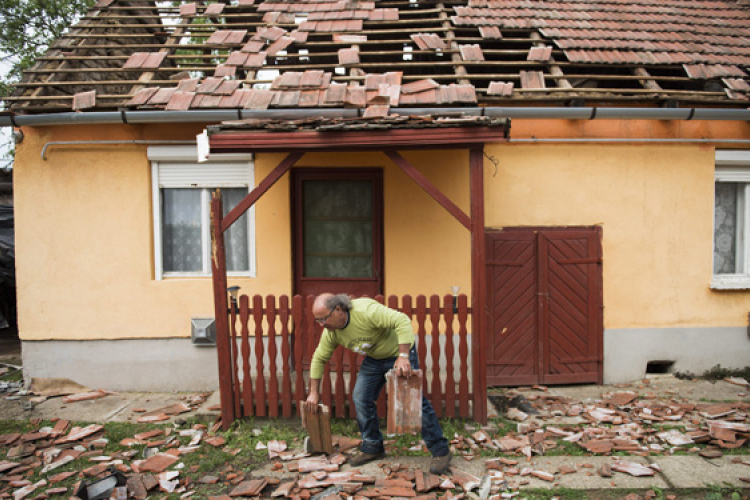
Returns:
(678, 43)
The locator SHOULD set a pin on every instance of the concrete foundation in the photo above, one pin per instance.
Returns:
(627, 352)
(159, 365)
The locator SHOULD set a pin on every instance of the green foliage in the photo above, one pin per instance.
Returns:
(27, 27)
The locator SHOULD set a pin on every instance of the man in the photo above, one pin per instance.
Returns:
(386, 339)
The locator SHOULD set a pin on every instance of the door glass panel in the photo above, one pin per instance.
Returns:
(337, 229)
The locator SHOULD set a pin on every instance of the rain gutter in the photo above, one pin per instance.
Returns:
(203, 116)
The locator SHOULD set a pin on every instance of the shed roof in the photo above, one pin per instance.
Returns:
(260, 54)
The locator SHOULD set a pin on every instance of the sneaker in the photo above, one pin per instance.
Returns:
(439, 465)
(364, 458)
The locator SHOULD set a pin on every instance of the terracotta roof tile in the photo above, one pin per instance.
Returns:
(309, 98)
(84, 100)
(391, 91)
(490, 32)
(312, 78)
(504, 89)
(271, 34)
(427, 41)
(532, 80)
(259, 99)
(209, 85)
(335, 94)
(253, 46)
(704, 71)
(355, 97)
(236, 58)
(162, 96)
(418, 86)
(187, 85)
(188, 9)
(540, 54)
(289, 98)
(246, 2)
(374, 80)
(394, 77)
(471, 52)
(378, 111)
(227, 37)
(223, 70)
(737, 84)
(290, 79)
(256, 61)
(279, 45)
(152, 60)
(209, 101)
(180, 101)
(348, 56)
(227, 87)
(299, 36)
(142, 96)
(214, 9)
(233, 100)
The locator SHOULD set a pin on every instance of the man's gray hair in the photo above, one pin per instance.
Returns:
(341, 300)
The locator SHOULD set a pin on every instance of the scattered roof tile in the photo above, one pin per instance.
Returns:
(223, 70)
(188, 9)
(348, 56)
(180, 101)
(279, 45)
(471, 52)
(490, 32)
(539, 54)
(84, 100)
(503, 89)
(419, 86)
(532, 80)
(214, 9)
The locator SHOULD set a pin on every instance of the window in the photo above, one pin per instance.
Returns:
(182, 190)
(731, 265)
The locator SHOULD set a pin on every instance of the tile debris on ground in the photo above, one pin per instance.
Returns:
(627, 437)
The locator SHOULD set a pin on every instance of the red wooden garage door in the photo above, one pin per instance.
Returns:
(545, 306)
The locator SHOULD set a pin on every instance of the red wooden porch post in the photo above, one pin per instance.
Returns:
(478, 285)
(219, 275)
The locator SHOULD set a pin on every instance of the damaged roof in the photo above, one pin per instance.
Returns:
(261, 54)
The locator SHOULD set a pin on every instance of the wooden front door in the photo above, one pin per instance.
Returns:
(545, 306)
(338, 231)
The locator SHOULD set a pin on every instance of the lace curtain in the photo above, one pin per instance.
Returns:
(725, 228)
(338, 229)
(183, 234)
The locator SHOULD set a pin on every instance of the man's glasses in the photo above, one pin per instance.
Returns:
(325, 318)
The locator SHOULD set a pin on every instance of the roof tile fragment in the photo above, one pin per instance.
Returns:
(84, 100)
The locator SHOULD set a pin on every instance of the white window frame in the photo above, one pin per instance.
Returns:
(188, 156)
(734, 166)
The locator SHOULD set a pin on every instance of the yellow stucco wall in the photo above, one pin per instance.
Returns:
(84, 237)
(84, 230)
(655, 206)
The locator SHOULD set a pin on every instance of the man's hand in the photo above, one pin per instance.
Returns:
(311, 403)
(403, 367)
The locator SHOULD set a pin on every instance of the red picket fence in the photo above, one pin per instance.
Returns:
(269, 369)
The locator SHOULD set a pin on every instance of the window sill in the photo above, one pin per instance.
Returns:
(731, 283)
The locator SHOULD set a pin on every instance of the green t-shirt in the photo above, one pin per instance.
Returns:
(373, 330)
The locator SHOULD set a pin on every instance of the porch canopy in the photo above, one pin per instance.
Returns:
(388, 134)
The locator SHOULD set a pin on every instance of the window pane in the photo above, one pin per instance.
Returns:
(337, 229)
(235, 239)
(726, 219)
(181, 230)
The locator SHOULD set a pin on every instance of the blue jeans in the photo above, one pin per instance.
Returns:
(370, 381)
